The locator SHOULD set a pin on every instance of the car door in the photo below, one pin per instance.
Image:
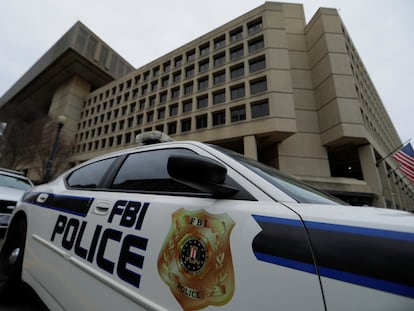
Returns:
(180, 248)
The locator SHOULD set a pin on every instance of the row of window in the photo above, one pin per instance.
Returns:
(202, 101)
(218, 77)
(218, 96)
(257, 109)
(204, 49)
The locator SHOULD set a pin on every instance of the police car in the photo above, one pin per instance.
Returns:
(13, 184)
(189, 226)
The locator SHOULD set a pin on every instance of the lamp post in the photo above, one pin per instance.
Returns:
(49, 163)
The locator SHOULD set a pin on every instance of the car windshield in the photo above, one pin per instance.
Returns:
(14, 182)
(298, 190)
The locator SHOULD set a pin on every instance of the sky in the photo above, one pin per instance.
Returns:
(141, 31)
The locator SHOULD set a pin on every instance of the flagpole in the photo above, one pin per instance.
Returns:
(392, 152)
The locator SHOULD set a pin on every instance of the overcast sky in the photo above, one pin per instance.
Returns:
(141, 31)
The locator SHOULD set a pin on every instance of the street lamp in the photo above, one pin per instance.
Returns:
(61, 122)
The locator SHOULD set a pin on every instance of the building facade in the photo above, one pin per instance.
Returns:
(291, 94)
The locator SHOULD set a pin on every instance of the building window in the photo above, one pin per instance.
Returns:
(132, 107)
(201, 121)
(135, 93)
(146, 75)
(175, 93)
(203, 65)
(236, 34)
(190, 56)
(186, 125)
(257, 64)
(219, 97)
(167, 66)
(140, 119)
(238, 113)
(202, 83)
(128, 137)
(254, 26)
(219, 59)
(141, 104)
(187, 106)
(188, 88)
(204, 49)
(256, 44)
(161, 113)
(220, 42)
(152, 101)
(237, 91)
(202, 101)
(144, 90)
(154, 85)
(219, 77)
(219, 117)
(189, 71)
(130, 123)
(236, 52)
(172, 128)
(160, 128)
(156, 71)
(237, 71)
(258, 86)
(173, 109)
(178, 61)
(177, 76)
(150, 116)
(164, 81)
(163, 97)
(260, 109)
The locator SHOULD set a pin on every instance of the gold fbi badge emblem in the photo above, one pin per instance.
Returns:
(195, 260)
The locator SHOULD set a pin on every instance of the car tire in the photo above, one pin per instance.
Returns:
(11, 258)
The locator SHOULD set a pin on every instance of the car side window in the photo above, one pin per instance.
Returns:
(90, 175)
(147, 172)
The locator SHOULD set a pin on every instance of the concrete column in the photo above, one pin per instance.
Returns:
(371, 174)
(250, 147)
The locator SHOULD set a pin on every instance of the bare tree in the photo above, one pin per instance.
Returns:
(28, 143)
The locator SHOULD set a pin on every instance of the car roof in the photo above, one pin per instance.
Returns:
(13, 173)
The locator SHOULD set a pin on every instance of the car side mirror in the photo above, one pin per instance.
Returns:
(201, 173)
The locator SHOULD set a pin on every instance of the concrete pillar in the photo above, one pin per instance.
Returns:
(68, 100)
(250, 147)
(371, 174)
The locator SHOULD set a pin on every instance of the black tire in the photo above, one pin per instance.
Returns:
(11, 262)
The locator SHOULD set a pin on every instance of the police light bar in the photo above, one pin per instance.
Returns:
(153, 137)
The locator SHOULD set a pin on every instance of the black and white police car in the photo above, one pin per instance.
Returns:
(190, 226)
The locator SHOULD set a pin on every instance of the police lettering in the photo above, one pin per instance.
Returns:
(130, 214)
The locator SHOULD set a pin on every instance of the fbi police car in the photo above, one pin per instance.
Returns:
(191, 226)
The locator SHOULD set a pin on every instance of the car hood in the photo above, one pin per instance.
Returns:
(10, 194)
(356, 216)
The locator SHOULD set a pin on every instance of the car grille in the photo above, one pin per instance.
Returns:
(5, 206)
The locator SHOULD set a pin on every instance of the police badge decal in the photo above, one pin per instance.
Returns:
(195, 260)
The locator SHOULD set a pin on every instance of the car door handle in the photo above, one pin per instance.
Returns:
(102, 207)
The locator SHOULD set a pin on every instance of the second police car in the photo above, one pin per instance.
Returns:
(190, 226)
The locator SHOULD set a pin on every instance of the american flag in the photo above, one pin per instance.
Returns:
(405, 156)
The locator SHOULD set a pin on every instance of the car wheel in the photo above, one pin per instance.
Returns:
(11, 257)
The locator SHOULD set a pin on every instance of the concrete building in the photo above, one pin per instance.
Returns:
(291, 94)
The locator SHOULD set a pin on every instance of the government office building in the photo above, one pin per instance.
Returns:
(291, 94)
